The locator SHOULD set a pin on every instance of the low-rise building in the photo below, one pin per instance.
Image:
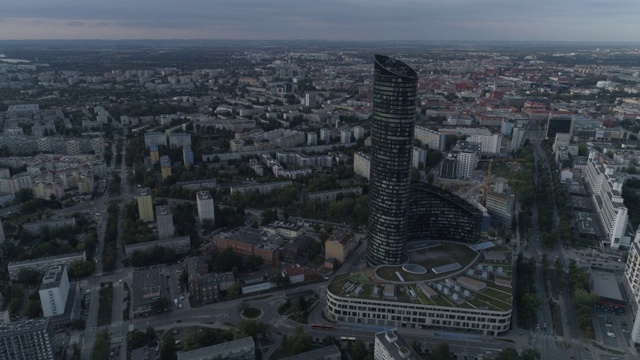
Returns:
(340, 245)
(249, 241)
(204, 286)
(241, 349)
(147, 288)
(35, 228)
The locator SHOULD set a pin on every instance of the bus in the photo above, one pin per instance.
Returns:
(347, 338)
(322, 326)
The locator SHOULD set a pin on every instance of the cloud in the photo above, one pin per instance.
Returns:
(326, 19)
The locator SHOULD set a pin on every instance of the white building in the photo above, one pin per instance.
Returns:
(389, 346)
(54, 291)
(631, 284)
(310, 99)
(488, 143)
(434, 139)
(468, 155)
(362, 164)
(606, 191)
(154, 138)
(345, 136)
(418, 156)
(165, 221)
(358, 132)
(325, 135)
(179, 140)
(312, 138)
(206, 208)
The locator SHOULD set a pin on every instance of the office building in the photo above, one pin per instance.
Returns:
(394, 112)
(437, 214)
(165, 221)
(559, 124)
(500, 206)
(165, 166)
(631, 282)
(54, 291)
(147, 287)
(241, 349)
(605, 185)
(145, 205)
(153, 152)
(206, 208)
(389, 346)
(28, 340)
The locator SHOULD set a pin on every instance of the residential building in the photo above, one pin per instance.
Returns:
(198, 184)
(179, 140)
(358, 132)
(362, 164)
(152, 138)
(467, 155)
(28, 340)
(340, 245)
(180, 245)
(2, 238)
(434, 139)
(54, 291)
(261, 188)
(332, 195)
(389, 346)
(312, 139)
(489, 144)
(286, 229)
(154, 154)
(241, 349)
(310, 99)
(36, 228)
(165, 166)
(394, 112)
(418, 156)
(145, 205)
(187, 156)
(165, 221)
(325, 135)
(41, 264)
(345, 136)
(206, 208)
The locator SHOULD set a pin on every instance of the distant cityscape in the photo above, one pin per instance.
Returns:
(313, 200)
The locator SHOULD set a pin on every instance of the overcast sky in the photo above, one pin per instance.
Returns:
(536, 20)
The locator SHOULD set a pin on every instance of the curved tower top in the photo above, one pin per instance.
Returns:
(394, 113)
(394, 67)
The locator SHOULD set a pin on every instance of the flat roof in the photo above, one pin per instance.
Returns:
(210, 352)
(605, 284)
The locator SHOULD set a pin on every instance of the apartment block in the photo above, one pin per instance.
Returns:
(145, 205)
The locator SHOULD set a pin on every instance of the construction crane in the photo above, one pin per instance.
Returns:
(487, 177)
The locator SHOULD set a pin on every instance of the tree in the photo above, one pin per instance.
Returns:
(508, 354)
(441, 352)
(359, 350)
(168, 348)
(530, 354)
(160, 305)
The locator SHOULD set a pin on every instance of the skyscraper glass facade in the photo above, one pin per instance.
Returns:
(394, 112)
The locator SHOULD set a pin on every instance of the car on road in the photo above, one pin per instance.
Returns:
(611, 334)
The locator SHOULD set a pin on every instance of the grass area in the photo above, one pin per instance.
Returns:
(106, 304)
(252, 313)
(298, 310)
(431, 257)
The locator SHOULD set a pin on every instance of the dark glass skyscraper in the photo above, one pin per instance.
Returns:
(394, 112)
